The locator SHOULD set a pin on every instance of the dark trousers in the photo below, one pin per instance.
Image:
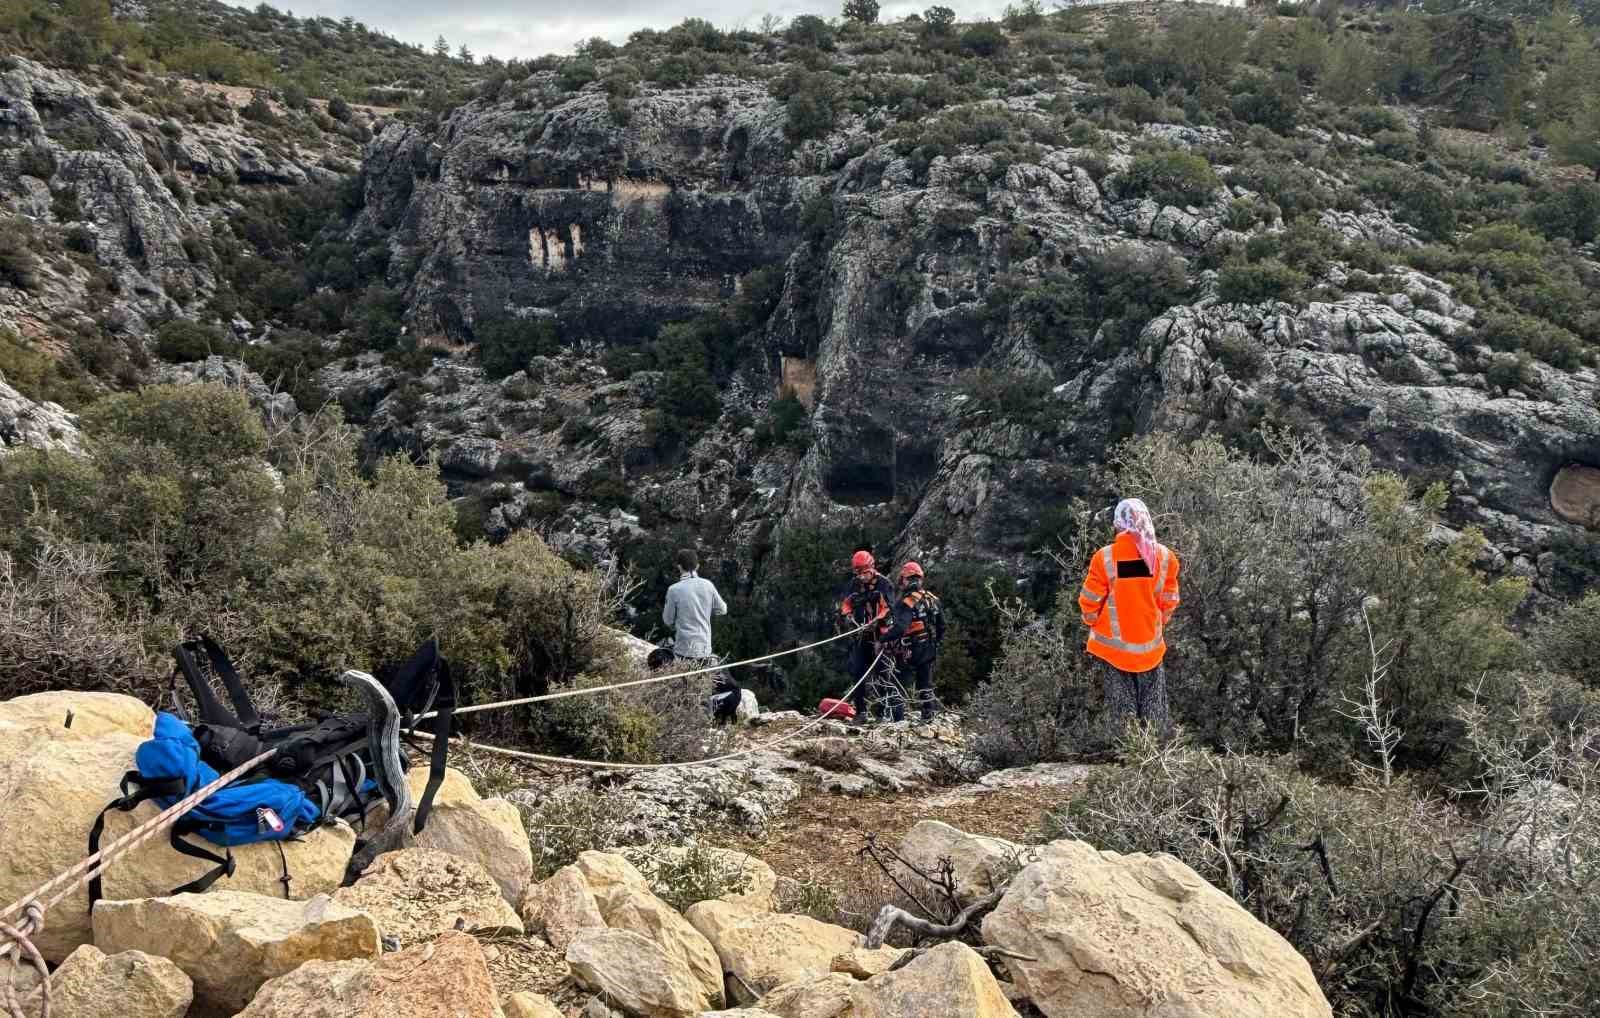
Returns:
(923, 674)
(1141, 695)
(879, 691)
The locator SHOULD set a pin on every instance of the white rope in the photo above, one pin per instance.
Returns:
(608, 765)
(592, 690)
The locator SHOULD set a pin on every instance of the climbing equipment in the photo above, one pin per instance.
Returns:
(910, 569)
(861, 560)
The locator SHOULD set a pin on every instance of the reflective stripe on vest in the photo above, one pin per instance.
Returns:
(1115, 640)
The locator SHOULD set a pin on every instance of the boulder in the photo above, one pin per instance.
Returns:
(488, 832)
(1139, 936)
(829, 996)
(444, 978)
(627, 907)
(416, 894)
(749, 707)
(636, 975)
(1575, 494)
(742, 1012)
(231, 942)
(524, 1004)
(765, 949)
(561, 907)
(865, 962)
(59, 778)
(141, 986)
(950, 979)
(609, 875)
(980, 863)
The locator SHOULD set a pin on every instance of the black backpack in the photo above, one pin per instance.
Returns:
(335, 760)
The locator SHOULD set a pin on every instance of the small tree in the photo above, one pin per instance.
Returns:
(938, 21)
(464, 55)
(864, 11)
(441, 48)
(1577, 141)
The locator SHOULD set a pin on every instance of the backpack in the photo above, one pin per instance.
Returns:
(322, 771)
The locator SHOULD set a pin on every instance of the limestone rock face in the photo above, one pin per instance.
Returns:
(444, 978)
(950, 979)
(25, 424)
(44, 715)
(766, 950)
(561, 907)
(628, 907)
(981, 864)
(142, 986)
(864, 963)
(1142, 936)
(488, 832)
(635, 974)
(416, 894)
(231, 942)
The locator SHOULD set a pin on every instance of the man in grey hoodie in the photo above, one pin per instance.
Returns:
(690, 604)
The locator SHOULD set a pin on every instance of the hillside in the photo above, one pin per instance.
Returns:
(486, 342)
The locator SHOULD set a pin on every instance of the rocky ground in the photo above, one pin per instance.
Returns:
(668, 927)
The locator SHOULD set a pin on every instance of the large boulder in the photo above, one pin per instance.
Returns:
(829, 996)
(979, 864)
(416, 894)
(560, 907)
(636, 975)
(444, 978)
(866, 962)
(764, 950)
(59, 777)
(231, 942)
(89, 981)
(1141, 936)
(950, 979)
(626, 903)
(1575, 494)
(488, 832)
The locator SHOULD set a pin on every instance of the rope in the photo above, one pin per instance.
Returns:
(591, 690)
(34, 904)
(608, 765)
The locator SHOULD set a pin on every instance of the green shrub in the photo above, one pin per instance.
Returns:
(181, 341)
(1242, 282)
(985, 39)
(1572, 212)
(1171, 177)
(1274, 102)
(810, 30)
(862, 11)
(1419, 199)
(1535, 337)
(19, 265)
(506, 344)
(686, 876)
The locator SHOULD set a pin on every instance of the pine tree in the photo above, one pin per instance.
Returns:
(864, 11)
(463, 54)
(1577, 141)
(441, 48)
(1480, 72)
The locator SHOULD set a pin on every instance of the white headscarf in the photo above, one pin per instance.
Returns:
(1133, 517)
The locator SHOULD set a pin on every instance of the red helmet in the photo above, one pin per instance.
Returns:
(861, 560)
(911, 569)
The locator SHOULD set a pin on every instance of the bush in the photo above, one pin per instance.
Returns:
(862, 11)
(985, 39)
(572, 820)
(1572, 212)
(1171, 177)
(181, 341)
(1516, 333)
(1258, 282)
(1043, 703)
(810, 30)
(507, 344)
(686, 876)
(1274, 103)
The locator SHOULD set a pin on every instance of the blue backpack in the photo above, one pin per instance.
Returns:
(321, 771)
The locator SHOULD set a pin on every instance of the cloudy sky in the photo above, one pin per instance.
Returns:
(530, 28)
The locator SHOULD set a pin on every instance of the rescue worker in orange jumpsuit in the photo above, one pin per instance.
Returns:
(918, 631)
(868, 600)
(1127, 600)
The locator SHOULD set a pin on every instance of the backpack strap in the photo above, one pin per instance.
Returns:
(225, 863)
(134, 791)
(445, 702)
(211, 709)
(223, 669)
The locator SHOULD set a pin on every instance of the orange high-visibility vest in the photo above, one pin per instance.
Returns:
(1126, 607)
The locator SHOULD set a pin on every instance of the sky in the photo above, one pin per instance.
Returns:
(531, 28)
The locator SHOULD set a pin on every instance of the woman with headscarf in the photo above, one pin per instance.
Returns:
(1127, 600)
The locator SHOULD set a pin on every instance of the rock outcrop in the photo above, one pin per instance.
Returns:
(950, 979)
(560, 907)
(488, 832)
(636, 974)
(444, 978)
(25, 424)
(978, 864)
(1140, 937)
(231, 942)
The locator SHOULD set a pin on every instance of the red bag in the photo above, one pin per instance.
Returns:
(840, 709)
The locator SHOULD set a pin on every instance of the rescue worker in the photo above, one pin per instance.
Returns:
(1127, 601)
(918, 631)
(868, 600)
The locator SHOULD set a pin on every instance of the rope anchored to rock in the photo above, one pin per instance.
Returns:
(35, 904)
